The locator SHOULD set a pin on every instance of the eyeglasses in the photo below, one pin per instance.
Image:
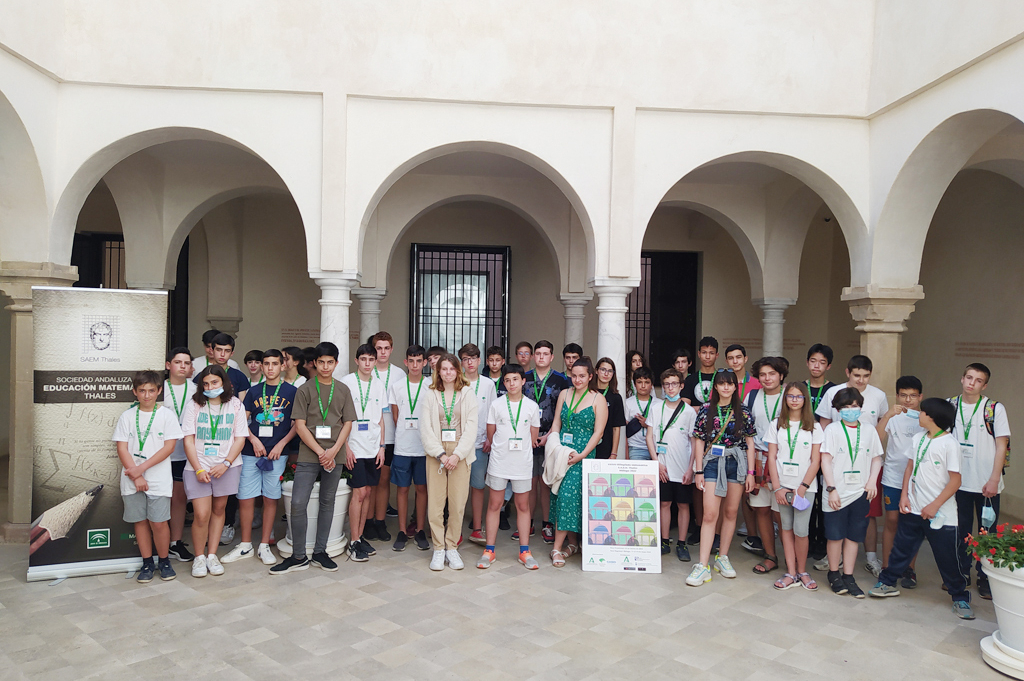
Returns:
(605, 370)
(794, 398)
(673, 384)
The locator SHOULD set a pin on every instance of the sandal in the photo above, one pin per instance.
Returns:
(571, 550)
(558, 558)
(806, 581)
(781, 584)
(762, 569)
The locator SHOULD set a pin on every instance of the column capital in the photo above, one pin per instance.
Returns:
(369, 294)
(575, 301)
(335, 279)
(17, 279)
(228, 325)
(605, 286)
(781, 304)
(878, 309)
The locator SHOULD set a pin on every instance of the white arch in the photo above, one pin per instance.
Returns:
(24, 214)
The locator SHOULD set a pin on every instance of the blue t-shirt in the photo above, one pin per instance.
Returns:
(239, 381)
(280, 416)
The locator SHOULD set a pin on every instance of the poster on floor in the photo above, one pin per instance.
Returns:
(620, 516)
(88, 344)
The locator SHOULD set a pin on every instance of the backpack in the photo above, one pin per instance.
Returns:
(990, 426)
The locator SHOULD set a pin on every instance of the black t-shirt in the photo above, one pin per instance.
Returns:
(280, 413)
(616, 419)
(499, 383)
(555, 383)
(818, 394)
(697, 387)
(239, 381)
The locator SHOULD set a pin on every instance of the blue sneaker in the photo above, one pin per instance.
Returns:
(166, 571)
(962, 609)
(146, 573)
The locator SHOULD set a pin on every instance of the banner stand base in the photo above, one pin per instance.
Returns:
(38, 573)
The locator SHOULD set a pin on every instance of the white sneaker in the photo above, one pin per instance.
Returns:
(213, 565)
(822, 565)
(454, 559)
(699, 575)
(243, 550)
(199, 566)
(724, 567)
(266, 555)
(874, 566)
(437, 562)
(741, 530)
(227, 535)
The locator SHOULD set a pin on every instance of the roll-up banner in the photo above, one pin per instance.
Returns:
(88, 345)
(620, 516)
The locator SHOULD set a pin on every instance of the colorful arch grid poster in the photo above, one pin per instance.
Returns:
(620, 516)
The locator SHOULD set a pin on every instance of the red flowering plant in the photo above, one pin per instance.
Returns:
(1002, 548)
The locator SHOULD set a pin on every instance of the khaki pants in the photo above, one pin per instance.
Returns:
(451, 487)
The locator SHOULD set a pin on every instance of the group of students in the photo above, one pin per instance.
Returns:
(727, 441)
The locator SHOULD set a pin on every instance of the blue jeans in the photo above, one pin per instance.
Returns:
(968, 507)
(912, 530)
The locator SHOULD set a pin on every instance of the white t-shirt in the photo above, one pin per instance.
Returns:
(763, 420)
(977, 447)
(486, 393)
(503, 461)
(387, 378)
(407, 434)
(875, 405)
(636, 407)
(364, 439)
(901, 430)
(677, 437)
(850, 489)
(794, 448)
(939, 458)
(231, 423)
(188, 390)
(165, 427)
(200, 363)
(299, 380)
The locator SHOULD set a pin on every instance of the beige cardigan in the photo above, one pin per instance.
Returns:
(430, 425)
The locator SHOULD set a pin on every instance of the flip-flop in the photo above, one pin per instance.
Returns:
(764, 568)
(809, 584)
(781, 586)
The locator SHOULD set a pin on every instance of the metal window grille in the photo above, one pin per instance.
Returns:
(113, 264)
(638, 316)
(459, 295)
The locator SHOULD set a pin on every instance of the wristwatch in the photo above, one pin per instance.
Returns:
(805, 485)
(830, 489)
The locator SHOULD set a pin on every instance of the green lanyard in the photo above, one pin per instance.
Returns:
(853, 450)
(643, 410)
(792, 439)
(320, 400)
(387, 378)
(362, 401)
(138, 429)
(815, 399)
(476, 388)
(743, 387)
(448, 413)
(412, 402)
(515, 421)
(573, 403)
(967, 425)
(920, 455)
(174, 399)
(538, 393)
(605, 391)
(663, 427)
(775, 412)
(214, 423)
(725, 424)
(704, 396)
(266, 408)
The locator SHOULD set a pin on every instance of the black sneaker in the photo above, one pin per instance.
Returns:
(400, 542)
(370, 529)
(666, 547)
(367, 546)
(694, 538)
(180, 552)
(503, 523)
(382, 530)
(984, 590)
(146, 572)
(324, 562)
(356, 552)
(909, 579)
(754, 545)
(715, 544)
(421, 541)
(391, 512)
(836, 581)
(852, 588)
(290, 564)
(166, 571)
(682, 553)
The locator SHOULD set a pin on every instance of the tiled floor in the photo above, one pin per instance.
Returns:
(392, 618)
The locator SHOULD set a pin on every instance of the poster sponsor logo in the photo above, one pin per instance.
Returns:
(98, 539)
(56, 387)
(101, 338)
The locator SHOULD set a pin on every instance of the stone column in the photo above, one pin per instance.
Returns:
(574, 315)
(611, 322)
(336, 289)
(16, 282)
(881, 315)
(773, 321)
(228, 325)
(369, 310)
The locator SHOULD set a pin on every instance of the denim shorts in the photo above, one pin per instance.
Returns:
(478, 471)
(891, 497)
(849, 522)
(407, 471)
(256, 483)
(731, 471)
(639, 454)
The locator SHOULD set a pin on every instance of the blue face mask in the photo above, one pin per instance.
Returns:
(988, 515)
(850, 414)
(216, 392)
(913, 414)
(672, 398)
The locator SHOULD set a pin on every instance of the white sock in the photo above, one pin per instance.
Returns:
(245, 544)
(872, 555)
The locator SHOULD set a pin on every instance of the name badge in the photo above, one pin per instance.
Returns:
(566, 438)
(447, 435)
(851, 477)
(717, 450)
(661, 448)
(266, 431)
(790, 469)
(212, 451)
(515, 444)
(966, 450)
(386, 409)
(412, 424)
(323, 433)
(363, 426)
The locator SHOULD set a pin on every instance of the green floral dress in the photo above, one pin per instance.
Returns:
(567, 505)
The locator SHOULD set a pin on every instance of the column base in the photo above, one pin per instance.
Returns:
(16, 533)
